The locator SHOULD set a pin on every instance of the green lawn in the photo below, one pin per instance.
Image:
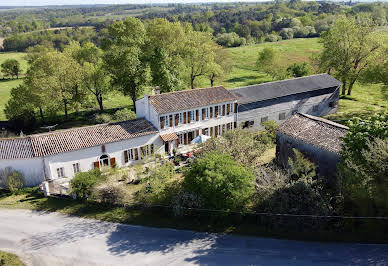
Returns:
(17, 56)
(7, 259)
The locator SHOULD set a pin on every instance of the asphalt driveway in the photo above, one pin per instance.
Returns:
(54, 239)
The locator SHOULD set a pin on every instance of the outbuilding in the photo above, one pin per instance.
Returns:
(320, 140)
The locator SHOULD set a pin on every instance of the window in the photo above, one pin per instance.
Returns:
(223, 110)
(180, 139)
(192, 116)
(282, 116)
(76, 168)
(61, 172)
(228, 109)
(180, 118)
(248, 124)
(263, 119)
(164, 122)
(216, 111)
(206, 113)
(315, 108)
(104, 160)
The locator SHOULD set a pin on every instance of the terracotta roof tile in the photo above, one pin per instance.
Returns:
(73, 139)
(188, 99)
(316, 131)
(17, 148)
(169, 136)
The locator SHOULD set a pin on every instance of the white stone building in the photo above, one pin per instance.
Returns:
(183, 115)
(165, 121)
(64, 153)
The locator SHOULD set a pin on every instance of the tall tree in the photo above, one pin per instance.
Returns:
(95, 77)
(55, 77)
(268, 62)
(164, 48)
(348, 48)
(11, 67)
(221, 66)
(199, 53)
(124, 57)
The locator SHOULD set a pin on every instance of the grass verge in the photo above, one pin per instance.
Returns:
(7, 259)
(162, 218)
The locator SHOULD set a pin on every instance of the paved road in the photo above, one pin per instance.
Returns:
(54, 239)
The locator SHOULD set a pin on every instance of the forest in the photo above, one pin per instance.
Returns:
(231, 25)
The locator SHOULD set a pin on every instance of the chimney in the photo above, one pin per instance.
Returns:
(157, 90)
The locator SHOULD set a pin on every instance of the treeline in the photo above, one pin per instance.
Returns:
(132, 58)
(244, 23)
(57, 38)
(231, 24)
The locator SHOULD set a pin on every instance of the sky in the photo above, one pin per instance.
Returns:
(89, 2)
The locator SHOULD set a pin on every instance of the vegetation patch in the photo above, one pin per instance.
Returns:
(7, 259)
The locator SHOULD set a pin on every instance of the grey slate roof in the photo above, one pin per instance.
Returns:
(73, 139)
(188, 99)
(276, 89)
(316, 131)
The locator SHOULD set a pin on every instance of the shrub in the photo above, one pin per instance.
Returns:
(273, 38)
(230, 40)
(124, 114)
(110, 192)
(11, 179)
(103, 118)
(300, 167)
(299, 69)
(364, 181)
(240, 144)
(220, 182)
(268, 135)
(82, 184)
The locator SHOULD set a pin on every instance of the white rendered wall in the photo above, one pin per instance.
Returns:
(87, 157)
(201, 124)
(31, 168)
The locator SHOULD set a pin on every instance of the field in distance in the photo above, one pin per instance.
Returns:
(365, 99)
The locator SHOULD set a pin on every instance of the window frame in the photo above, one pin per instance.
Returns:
(61, 172)
(76, 168)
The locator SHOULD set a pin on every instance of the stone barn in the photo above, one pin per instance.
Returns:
(317, 138)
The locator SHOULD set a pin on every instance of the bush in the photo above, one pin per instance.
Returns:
(82, 184)
(273, 38)
(159, 189)
(299, 69)
(268, 135)
(110, 192)
(238, 143)
(230, 40)
(220, 182)
(103, 118)
(124, 114)
(11, 179)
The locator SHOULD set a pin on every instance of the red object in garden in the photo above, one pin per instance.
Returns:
(189, 154)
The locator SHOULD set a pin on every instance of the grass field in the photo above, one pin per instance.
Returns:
(366, 99)
(7, 259)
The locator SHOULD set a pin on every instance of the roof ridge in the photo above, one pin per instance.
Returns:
(187, 90)
(279, 81)
(323, 120)
(76, 128)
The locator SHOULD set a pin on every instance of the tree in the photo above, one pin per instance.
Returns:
(299, 69)
(220, 182)
(199, 54)
(95, 77)
(54, 77)
(268, 61)
(164, 48)
(125, 59)
(220, 67)
(378, 73)
(363, 168)
(349, 47)
(11, 67)
(20, 108)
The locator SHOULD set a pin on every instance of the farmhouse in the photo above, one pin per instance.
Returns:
(316, 95)
(166, 122)
(64, 153)
(184, 115)
(317, 138)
